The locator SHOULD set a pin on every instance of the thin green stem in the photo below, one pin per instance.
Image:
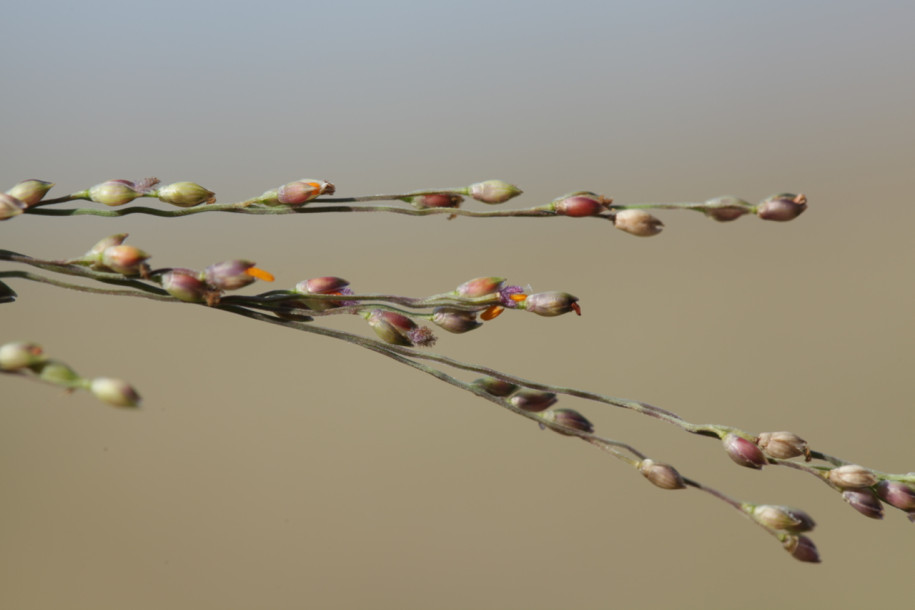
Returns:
(633, 405)
(709, 490)
(681, 205)
(34, 277)
(66, 268)
(68, 386)
(458, 302)
(407, 356)
(246, 208)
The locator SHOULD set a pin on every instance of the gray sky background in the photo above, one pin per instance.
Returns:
(273, 469)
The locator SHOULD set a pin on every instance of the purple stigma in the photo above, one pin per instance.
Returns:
(505, 296)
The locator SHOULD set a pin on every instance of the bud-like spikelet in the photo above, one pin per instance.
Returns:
(782, 207)
(436, 200)
(113, 192)
(782, 518)
(896, 493)
(851, 476)
(232, 275)
(298, 192)
(724, 209)
(569, 418)
(455, 320)
(637, 222)
(744, 452)
(326, 285)
(660, 475)
(114, 392)
(123, 259)
(185, 285)
(580, 204)
(864, 501)
(57, 373)
(323, 285)
(493, 191)
(95, 253)
(19, 355)
(185, 194)
(479, 287)
(495, 387)
(31, 191)
(550, 303)
(10, 206)
(398, 329)
(783, 445)
(801, 548)
(532, 401)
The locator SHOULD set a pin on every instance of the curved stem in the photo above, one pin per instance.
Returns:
(272, 300)
(66, 268)
(34, 277)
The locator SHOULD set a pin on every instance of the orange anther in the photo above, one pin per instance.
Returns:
(260, 274)
(493, 311)
(576, 308)
(517, 297)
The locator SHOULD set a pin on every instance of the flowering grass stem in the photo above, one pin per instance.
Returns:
(394, 319)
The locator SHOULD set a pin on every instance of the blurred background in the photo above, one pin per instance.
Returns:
(273, 469)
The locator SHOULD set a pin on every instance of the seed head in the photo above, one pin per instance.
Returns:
(57, 372)
(95, 253)
(852, 476)
(637, 222)
(398, 329)
(19, 355)
(896, 493)
(551, 303)
(455, 320)
(10, 206)
(114, 392)
(479, 287)
(114, 192)
(801, 548)
(782, 207)
(783, 445)
(533, 401)
(436, 200)
(724, 209)
(232, 275)
(123, 259)
(664, 476)
(495, 387)
(864, 501)
(744, 452)
(493, 191)
(185, 285)
(580, 204)
(324, 285)
(782, 518)
(297, 193)
(31, 191)
(569, 418)
(185, 194)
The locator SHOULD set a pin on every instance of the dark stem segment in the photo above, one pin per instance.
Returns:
(279, 210)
